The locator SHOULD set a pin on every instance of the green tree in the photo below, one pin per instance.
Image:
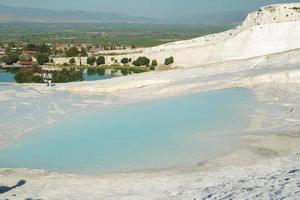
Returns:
(72, 52)
(91, 60)
(83, 52)
(124, 60)
(72, 61)
(141, 61)
(42, 48)
(11, 58)
(100, 60)
(30, 47)
(169, 60)
(42, 58)
(154, 63)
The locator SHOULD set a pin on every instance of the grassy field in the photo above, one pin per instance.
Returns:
(139, 35)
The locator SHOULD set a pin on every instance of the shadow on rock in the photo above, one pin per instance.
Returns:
(4, 189)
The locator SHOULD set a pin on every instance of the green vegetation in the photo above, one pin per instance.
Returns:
(72, 52)
(10, 58)
(154, 63)
(72, 61)
(42, 58)
(141, 61)
(83, 52)
(169, 61)
(40, 48)
(124, 60)
(91, 60)
(100, 60)
(107, 35)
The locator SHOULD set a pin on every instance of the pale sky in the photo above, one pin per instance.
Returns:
(148, 8)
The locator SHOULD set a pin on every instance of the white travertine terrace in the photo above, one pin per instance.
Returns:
(263, 55)
(270, 30)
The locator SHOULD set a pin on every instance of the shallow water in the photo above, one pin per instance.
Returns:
(162, 133)
(8, 77)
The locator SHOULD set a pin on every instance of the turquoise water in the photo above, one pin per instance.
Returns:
(7, 77)
(162, 133)
(95, 77)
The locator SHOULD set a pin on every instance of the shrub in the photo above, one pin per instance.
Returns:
(72, 52)
(83, 52)
(91, 60)
(72, 61)
(100, 60)
(124, 60)
(152, 68)
(154, 63)
(10, 58)
(141, 61)
(169, 60)
(42, 58)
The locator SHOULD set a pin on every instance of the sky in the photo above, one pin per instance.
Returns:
(148, 8)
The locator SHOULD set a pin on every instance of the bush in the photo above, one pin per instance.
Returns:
(169, 60)
(42, 58)
(83, 52)
(10, 58)
(72, 61)
(154, 63)
(91, 60)
(141, 61)
(124, 60)
(152, 68)
(100, 60)
(72, 52)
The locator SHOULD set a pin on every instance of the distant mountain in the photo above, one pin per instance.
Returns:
(24, 14)
(10, 14)
(234, 17)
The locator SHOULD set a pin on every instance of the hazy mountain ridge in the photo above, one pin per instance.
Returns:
(9, 14)
(19, 14)
(233, 17)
